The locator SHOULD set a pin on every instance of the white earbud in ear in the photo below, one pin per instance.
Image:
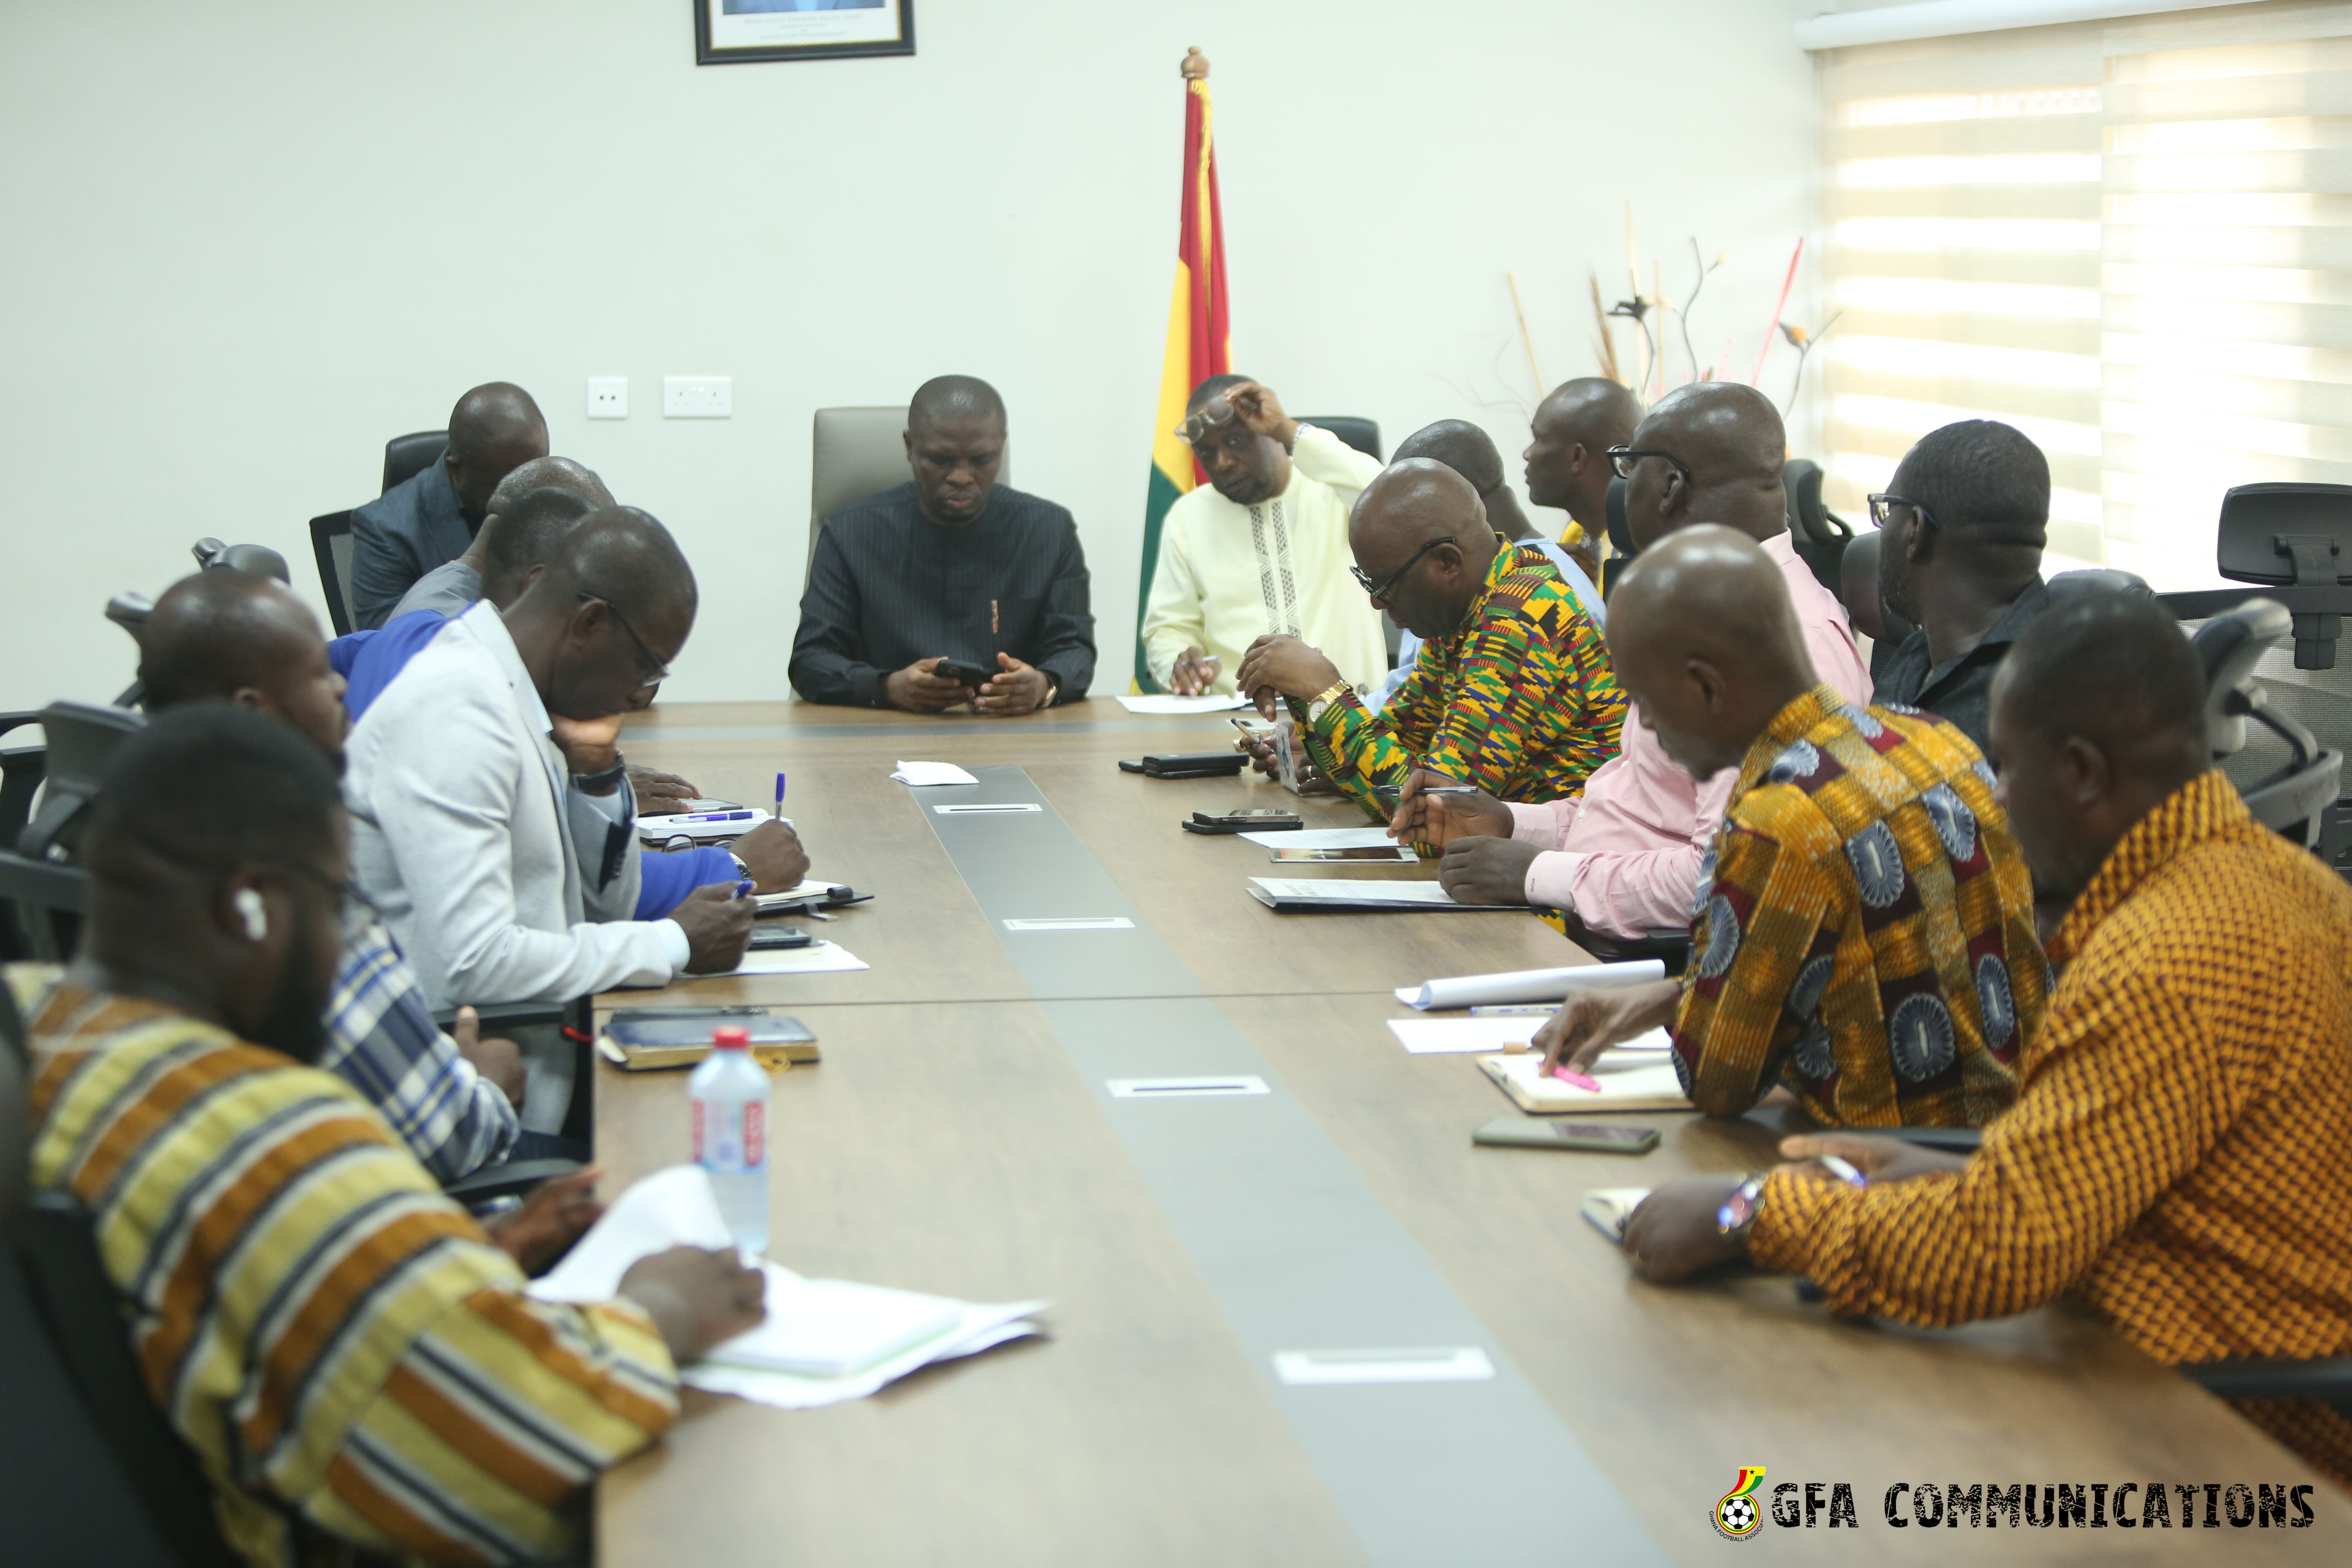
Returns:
(253, 912)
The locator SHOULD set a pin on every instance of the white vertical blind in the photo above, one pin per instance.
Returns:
(2132, 240)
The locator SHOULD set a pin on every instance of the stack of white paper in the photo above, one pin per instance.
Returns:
(1356, 893)
(1528, 984)
(818, 957)
(1135, 703)
(925, 774)
(822, 1341)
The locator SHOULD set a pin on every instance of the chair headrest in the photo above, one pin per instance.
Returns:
(82, 738)
(2230, 646)
(1809, 516)
(1620, 533)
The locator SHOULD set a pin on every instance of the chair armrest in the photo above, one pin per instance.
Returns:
(496, 1016)
(2329, 1380)
(1951, 1140)
(1671, 947)
(512, 1179)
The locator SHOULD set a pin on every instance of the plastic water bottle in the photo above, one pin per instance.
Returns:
(729, 1100)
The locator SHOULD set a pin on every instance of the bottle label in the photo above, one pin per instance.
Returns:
(729, 1138)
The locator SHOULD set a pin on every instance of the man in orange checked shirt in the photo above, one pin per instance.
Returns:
(2176, 1157)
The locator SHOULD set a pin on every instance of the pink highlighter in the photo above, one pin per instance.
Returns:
(1578, 1078)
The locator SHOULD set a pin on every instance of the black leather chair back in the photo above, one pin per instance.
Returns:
(1363, 435)
(83, 739)
(1820, 535)
(406, 457)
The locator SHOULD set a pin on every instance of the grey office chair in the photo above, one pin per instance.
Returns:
(330, 547)
(854, 453)
(2293, 799)
(2296, 538)
(83, 739)
(406, 457)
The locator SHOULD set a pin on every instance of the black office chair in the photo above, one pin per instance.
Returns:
(1821, 536)
(406, 457)
(330, 547)
(492, 1185)
(1363, 435)
(1621, 536)
(257, 559)
(2295, 799)
(2294, 538)
(83, 739)
(21, 770)
(1670, 946)
(40, 909)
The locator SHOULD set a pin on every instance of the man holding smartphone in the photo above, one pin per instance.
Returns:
(952, 588)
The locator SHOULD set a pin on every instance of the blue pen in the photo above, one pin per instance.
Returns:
(743, 889)
(780, 794)
(718, 816)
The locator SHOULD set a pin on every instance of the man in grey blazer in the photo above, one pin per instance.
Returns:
(491, 817)
(430, 518)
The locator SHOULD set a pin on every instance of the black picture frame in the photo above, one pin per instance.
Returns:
(709, 53)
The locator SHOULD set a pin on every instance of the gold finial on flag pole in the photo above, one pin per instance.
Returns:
(1194, 67)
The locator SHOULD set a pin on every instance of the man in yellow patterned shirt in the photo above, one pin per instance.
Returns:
(1864, 925)
(351, 1359)
(1512, 691)
(2175, 1160)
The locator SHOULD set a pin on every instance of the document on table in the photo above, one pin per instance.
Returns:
(1643, 1079)
(806, 893)
(1430, 1036)
(1355, 894)
(822, 1341)
(818, 958)
(922, 775)
(1528, 984)
(1135, 703)
(1322, 839)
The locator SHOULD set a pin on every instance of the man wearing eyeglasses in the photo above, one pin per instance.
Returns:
(1512, 691)
(490, 813)
(1964, 520)
(1262, 548)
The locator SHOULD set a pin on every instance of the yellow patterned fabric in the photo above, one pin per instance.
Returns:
(1521, 701)
(1863, 928)
(344, 1350)
(2180, 1157)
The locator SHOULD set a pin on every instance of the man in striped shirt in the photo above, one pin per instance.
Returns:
(2176, 1157)
(352, 1359)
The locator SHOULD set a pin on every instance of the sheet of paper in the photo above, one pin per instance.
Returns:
(981, 1327)
(1135, 703)
(1428, 1036)
(823, 958)
(1384, 889)
(1528, 984)
(672, 1207)
(922, 775)
(1323, 838)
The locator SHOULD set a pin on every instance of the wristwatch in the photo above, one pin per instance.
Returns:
(741, 869)
(1738, 1211)
(1053, 690)
(603, 783)
(1321, 701)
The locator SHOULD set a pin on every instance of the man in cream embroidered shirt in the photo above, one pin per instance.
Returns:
(1261, 549)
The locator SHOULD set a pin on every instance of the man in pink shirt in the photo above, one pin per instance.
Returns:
(1623, 858)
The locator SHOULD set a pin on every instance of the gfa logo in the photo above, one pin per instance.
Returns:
(1737, 1514)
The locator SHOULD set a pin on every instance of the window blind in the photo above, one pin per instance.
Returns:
(2130, 239)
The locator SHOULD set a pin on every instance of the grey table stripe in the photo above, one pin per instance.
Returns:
(1297, 1252)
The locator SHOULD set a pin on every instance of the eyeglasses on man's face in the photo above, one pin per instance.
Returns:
(1381, 590)
(1624, 458)
(659, 671)
(1883, 505)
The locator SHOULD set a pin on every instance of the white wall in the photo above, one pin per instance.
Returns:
(247, 241)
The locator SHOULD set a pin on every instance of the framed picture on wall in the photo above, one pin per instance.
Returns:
(727, 31)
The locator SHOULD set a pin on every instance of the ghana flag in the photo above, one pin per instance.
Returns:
(1199, 343)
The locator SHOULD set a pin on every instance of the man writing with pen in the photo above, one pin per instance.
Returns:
(1513, 691)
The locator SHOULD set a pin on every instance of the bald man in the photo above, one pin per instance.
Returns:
(1261, 548)
(2175, 1159)
(1566, 458)
(952, 567)
(491, 818)
(1471, 453)
(1512, 691)
(1623, 858)
(1864, 928)
(230, 637)
(430, 518)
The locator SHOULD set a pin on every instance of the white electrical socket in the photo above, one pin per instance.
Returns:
(698, 397)
(608, 397)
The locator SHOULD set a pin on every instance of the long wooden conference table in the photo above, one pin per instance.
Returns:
(960, 1136)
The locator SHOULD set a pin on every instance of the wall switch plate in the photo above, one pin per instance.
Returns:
(698, 397)
(608, 397)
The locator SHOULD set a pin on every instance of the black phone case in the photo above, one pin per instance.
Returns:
(971, 674)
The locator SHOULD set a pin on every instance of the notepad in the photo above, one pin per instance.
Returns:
(1629, 1081)
(833, 1328)
(1528, 984)
(1323, 838)
(924, 775)
(819, 958)
(662, 829)
(1136, 703)
(1356, 894)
